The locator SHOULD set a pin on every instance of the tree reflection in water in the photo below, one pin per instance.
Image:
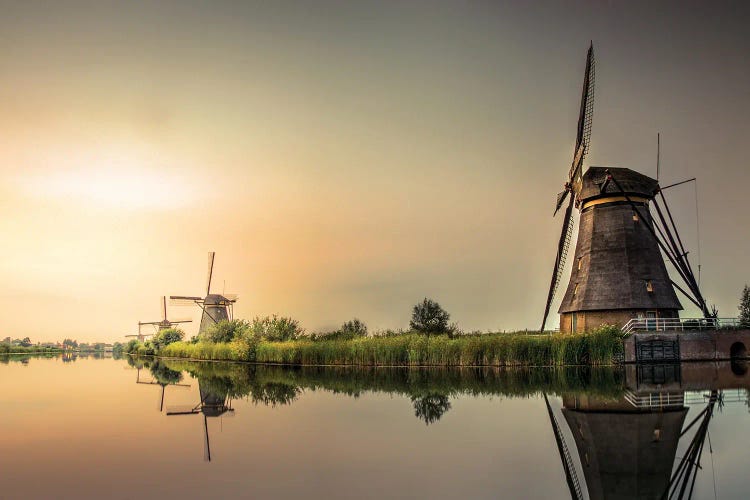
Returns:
(430, 390)
(430, 407)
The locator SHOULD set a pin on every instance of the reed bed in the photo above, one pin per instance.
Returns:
(599, 347)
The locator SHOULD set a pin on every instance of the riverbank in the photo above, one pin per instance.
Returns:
(600, 347)
(16, 349)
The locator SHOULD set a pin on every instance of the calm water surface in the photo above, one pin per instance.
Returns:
(104, 428)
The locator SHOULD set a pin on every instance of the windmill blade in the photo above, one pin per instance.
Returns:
(231, 297)
(587, 104)
(560, 200)
(182, 410)
(562, 252)
(211, 256)
(206, 443)
(164, 307)
(148, 322)
(184, 320)
(184, 301)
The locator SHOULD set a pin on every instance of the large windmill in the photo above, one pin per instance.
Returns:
(215, 307)
(619, 272)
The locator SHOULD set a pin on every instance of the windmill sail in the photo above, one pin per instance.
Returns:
(583, 137)
(211, 256)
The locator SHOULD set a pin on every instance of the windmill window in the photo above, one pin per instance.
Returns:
(635, 217)
(575, 289)
(649, 286)
(580, 263)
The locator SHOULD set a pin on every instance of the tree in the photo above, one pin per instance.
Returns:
(744, 308)
(429, 318)
(354, 328)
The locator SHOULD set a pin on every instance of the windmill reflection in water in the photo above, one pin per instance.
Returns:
(627, 446)
(163, 381)
(212, 405)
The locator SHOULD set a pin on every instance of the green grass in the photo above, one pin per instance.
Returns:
(231, 351)
(599, 347)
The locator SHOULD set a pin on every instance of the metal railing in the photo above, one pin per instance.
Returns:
(678, 324)
(655, 400)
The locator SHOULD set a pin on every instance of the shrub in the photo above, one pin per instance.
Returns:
(350, 330)
(355, 328)
(167, 336)
(275, 328)
(132, 346)
(429, 318)
(744, 308)
(226, 331)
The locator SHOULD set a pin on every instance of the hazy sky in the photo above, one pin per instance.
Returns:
(345, 158)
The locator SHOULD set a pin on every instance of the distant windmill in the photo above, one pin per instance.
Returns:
(215, 307)
(140, 336)
(164, 323)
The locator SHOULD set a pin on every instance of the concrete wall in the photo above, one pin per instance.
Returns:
(711, 345)
(711, 375)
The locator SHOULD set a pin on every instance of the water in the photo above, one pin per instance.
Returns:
(93, 428)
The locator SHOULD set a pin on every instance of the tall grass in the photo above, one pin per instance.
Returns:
(599, 347)
(231, 351)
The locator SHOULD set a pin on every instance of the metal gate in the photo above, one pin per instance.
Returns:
(656, 351)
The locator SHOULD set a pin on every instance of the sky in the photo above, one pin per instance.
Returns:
(346, 158)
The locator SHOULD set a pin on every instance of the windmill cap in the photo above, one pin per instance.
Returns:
(632, 183)
(216, 299)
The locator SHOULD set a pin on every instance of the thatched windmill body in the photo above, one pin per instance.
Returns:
(215, 307)
(619, 272)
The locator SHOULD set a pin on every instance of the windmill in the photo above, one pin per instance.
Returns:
(215, 307)
(140, 336)
(164, 323)
(619, 272)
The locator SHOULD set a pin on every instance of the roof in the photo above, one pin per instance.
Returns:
(632, 182)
